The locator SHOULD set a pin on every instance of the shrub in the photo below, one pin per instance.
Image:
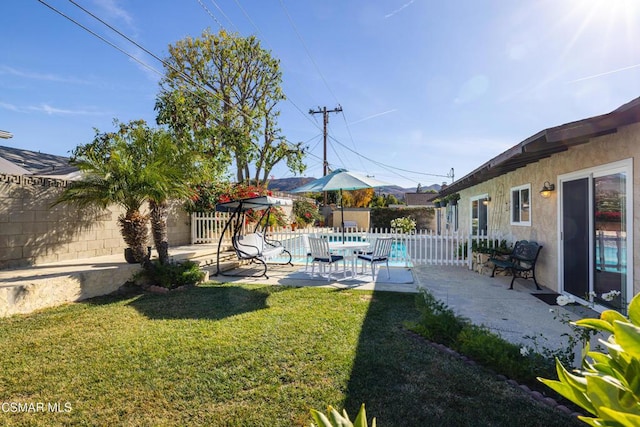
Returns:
(404, 224)
(305, 212)
(172, 275)
(492, 351)
(382, 217)
(438, 322)
(608, 385)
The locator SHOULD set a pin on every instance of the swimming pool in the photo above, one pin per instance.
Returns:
(399, 256)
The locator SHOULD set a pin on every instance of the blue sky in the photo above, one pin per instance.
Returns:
(425, 85)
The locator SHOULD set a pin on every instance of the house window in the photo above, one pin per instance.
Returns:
(479, 214)
(521, 205)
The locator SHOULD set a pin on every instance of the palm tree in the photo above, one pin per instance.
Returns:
(134, 165)
(169, 171)
(111, 176)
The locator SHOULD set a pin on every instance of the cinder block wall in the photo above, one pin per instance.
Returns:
(34, 232)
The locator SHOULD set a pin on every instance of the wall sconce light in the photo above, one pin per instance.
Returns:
(486, 201)
(547, 188)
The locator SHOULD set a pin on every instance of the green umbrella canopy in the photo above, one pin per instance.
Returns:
(340, 179)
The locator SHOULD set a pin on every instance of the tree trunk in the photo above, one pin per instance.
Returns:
(159, 229)
(133, 226)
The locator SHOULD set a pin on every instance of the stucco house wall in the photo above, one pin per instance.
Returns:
(621, 145)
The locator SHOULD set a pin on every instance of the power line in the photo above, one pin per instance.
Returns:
(100, 37)
(262, 37)
(223, 14)
(325, 120)
(382, 164)
(185, 76)
(295, 29)
(189, 79)
(206, 9)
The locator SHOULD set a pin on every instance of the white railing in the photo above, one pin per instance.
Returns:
(418, 248)
(428, 247)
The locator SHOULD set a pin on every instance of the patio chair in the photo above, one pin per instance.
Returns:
(321, 255)
(381, 253)
(306, 247)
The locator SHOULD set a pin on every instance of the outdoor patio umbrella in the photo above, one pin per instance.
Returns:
(338, 180)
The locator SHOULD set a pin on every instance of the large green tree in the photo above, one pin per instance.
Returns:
(222, 91)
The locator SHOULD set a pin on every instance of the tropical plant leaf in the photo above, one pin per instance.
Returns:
(361, 418)
(320, 418)
(628, 337)
(598, 324)
(604, 392)
(570, 393)
(634, 310)
(624, 418)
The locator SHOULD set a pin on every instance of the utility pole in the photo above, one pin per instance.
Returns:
(325, 117)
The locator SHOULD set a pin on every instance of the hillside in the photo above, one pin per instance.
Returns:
(288, 184)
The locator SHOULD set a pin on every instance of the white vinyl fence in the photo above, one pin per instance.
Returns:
(418, 248)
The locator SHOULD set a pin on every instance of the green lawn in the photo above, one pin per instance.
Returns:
(229, 355)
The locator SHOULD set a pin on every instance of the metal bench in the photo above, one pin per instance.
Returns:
(521, 262)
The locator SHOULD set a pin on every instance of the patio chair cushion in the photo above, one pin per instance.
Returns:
(369, 257)
(334, 258)
(252, 245)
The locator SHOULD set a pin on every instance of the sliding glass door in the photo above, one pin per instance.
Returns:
(596, 235)
(610, 239)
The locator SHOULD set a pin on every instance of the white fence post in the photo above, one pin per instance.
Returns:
(424, 247)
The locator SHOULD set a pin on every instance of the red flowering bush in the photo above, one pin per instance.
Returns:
(206, 195)
(305, 212)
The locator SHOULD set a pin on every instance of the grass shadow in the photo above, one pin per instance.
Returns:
(208, 301)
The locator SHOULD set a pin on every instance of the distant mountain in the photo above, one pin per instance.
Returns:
(288, 184)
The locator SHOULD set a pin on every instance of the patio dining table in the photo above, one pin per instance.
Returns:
(349, 250)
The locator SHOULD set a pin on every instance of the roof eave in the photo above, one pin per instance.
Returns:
(548, 142)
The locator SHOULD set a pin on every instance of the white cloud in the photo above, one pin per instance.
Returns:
(33, 75)
(374, 116)
(389, 15)
(49, 110)
(10, 107)
(113, 9)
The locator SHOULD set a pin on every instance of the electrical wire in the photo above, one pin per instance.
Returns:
(101, 38)
(196, 84)
(206, 9)
(295, 29)
(389, 166)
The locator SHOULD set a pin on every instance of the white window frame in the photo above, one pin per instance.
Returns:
(519, 204)
(478, 198)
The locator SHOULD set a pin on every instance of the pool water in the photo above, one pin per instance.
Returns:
(399, 256)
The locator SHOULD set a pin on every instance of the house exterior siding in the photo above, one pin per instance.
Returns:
(621, 145)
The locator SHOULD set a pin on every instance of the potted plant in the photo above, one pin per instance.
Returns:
(453, 198)
(437, 202)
